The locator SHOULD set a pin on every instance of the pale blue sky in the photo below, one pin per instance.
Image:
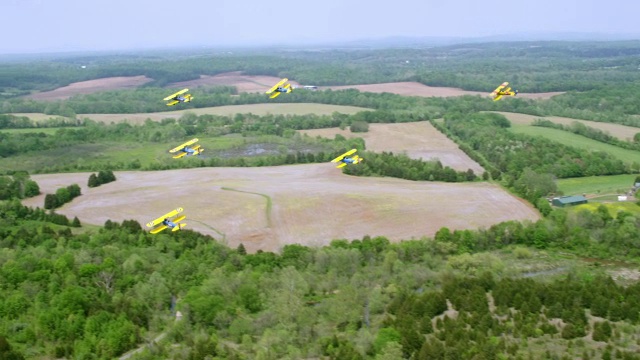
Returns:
(70, 25)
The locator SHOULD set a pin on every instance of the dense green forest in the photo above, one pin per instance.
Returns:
(97, 294)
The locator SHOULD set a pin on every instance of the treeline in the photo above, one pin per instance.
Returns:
(511, 153)
(9, 121)
(403, 167)
(18, 185)
(62, 196)
(103, 177)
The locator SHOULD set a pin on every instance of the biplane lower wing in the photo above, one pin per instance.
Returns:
(341, 165)
(179, 155)
(498, 97)
(343, 155)
(276, 86)
(180, 147)
(165, 216)
(274, 95)
(172, 103)
(176, 94)
(158, 229)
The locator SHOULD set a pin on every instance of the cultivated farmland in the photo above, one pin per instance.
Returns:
(267, 208)
(416, 139)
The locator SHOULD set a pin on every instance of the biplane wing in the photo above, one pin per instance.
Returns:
(503, 85)
(274, 95)
(176, 94)
(158, 229)
(172, 103)
(180, 147)
(180, 155)
(343, 155)
(341, 165)
(280, 83)
(165, 216)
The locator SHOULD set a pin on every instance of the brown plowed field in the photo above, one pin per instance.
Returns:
(91, 86)
(244, 83)
(312, 203)
(416, 139)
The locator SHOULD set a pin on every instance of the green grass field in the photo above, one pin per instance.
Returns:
(613, 184)
(570, 139)
(613, 207)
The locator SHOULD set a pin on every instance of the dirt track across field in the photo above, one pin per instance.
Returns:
(91, 86)
(419, 140)
(312, 204)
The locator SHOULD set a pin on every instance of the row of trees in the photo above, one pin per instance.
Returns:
(592, 133)
(62, 196)
(103, 177)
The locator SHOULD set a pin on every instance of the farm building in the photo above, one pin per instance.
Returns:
(569, 200)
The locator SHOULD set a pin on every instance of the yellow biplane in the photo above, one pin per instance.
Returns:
(345, 159)
(186, 149)
(165, 221)
(178, 97)
(281, 87)
(503, 90)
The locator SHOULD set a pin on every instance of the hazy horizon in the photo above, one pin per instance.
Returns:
(38, 26)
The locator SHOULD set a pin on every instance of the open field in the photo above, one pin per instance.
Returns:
(418, 89)
(91, 86)
(257, 109)
(312, 204)
(571, 139)
(244, 83)
(48, 131)
(595, 185)
(416, 139)
(622, 132)
(613, 207)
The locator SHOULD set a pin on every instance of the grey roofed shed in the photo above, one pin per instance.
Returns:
(569, 200)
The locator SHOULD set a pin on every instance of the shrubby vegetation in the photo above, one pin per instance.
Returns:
(18, 186)
(103, 177)
(62, 196)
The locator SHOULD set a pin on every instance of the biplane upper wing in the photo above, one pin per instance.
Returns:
(165, 216)
(276, 86)
(343, 155)
(176, 94)
(180, 147)
(504, 84)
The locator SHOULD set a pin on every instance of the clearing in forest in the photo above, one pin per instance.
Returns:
(269, 207)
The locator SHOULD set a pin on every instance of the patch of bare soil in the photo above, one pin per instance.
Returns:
(312, 203)
(418, 89)
(244, 83)
(91, 86)
(418, 140)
